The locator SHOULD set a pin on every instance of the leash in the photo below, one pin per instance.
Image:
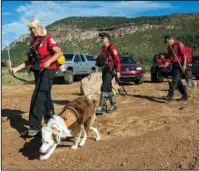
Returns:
(38, 83)
(10, 66)
(20, 79)
(50, 107)
(119, 83)
(190, 82)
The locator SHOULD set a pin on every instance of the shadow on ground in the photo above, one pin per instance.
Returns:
(150, 98)
(31, 148)
(16, 120)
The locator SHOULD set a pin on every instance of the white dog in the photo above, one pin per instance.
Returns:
(56, 129)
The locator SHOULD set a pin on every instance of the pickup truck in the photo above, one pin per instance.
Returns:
(76, 65)
(195, 67)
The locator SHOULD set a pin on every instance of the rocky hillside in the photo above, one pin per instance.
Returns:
(141, 36)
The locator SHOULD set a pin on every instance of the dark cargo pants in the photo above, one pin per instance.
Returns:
(176, 82)
(107, 77)
(41, 103)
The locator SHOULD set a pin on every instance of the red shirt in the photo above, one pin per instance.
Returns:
(43, 50)
(179, 49)
(113, 54)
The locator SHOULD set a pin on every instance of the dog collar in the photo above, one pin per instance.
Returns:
(55, 130)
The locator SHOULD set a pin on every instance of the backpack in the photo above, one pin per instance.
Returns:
(188, 54)
(33, 55)
(101, 60)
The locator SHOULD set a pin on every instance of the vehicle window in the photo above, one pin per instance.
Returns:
(90, 58)
(83, 59)
(195, 59)
(77, 58)
(127, 60)
(68, 57)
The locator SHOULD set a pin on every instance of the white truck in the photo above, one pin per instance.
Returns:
(76, 65)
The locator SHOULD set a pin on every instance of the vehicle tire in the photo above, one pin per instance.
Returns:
(153, 77)
(93, 70)
(197, 77)
(140, 80)
(69, 77)
(160, 77)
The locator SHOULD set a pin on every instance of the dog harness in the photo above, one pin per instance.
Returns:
(70, 116)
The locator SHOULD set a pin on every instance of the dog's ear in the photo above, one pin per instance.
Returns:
(56, 137)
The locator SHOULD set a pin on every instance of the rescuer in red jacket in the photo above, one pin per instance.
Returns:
(178, 56)
(42, 59)
(109, 60)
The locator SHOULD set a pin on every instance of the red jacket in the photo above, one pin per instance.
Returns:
(179, 49)
(113, 55)
(43, 50)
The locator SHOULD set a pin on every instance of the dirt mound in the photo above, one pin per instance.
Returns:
(146, 132)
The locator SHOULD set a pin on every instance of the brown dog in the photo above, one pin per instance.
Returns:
(76, 118)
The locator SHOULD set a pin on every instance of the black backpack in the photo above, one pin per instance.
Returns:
(101, 60)
(34, 57)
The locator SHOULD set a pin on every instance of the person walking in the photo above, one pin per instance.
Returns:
(109, 60)
(42, 59)
(176, 51)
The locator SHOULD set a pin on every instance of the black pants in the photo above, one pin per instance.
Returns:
(176, 82)
(107, 76)
(41, 103)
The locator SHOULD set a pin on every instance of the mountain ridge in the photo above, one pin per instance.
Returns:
(140, 37)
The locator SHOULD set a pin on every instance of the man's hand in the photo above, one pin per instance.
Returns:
(95, 57)
(47, 64)
(118, 75)
(13, 70)
(184, 68)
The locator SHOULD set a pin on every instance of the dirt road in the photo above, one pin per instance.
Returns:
(145, 133)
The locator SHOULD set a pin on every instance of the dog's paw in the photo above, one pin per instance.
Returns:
(81, 143)
(43, 158)
(98, 138)
(74, 147)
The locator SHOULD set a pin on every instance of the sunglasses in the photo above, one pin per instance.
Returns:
(33, 28)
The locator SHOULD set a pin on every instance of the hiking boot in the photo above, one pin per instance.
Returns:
(183, 98)
(100, 110)
(113, 106)
(112, 109)
(102, 106)
(30, 132)
(167, 98)
(184, 92)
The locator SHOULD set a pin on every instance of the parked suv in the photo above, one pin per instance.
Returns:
(76, 65)
(130, 71)
(195, 66)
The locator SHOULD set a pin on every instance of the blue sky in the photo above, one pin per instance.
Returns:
(16, 14)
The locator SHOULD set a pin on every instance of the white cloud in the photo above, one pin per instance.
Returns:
(50, 11)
